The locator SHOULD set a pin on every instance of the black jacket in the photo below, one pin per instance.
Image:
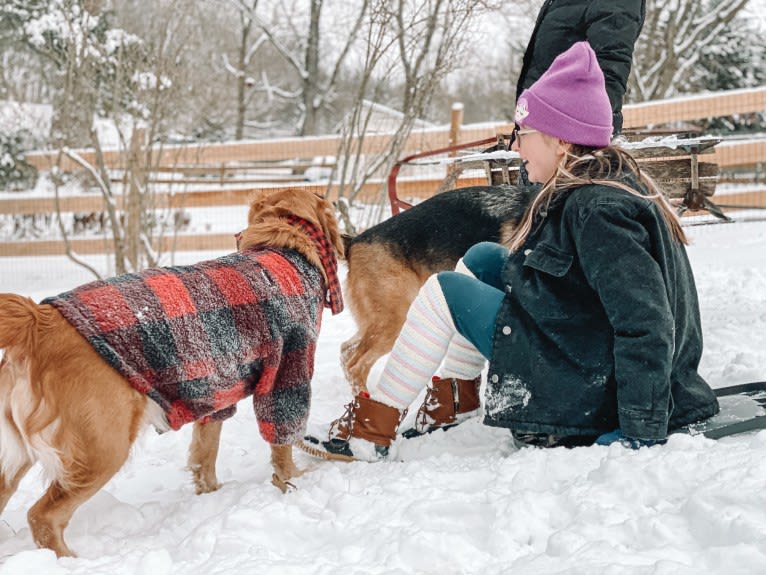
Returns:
(600, 325)
(610, 26)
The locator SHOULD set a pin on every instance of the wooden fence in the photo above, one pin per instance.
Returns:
(243, 152)
(214, 166)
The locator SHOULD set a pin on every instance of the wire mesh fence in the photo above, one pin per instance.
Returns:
(192, 198)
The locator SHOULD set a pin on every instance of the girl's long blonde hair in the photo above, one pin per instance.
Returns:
(604, 166)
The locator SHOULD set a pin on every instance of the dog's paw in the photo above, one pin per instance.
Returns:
(281, 484)
(204, 482)
(201, 487)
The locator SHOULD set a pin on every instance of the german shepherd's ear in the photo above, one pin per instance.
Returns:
(347, 239)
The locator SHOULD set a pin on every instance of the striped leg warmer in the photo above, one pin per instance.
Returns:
(419, 349)
(460, 267)
(463, 360)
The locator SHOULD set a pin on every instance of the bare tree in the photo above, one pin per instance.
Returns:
(318, 82)
(147, 101)
(414, 44)
(674, 36)
(247, 49)
(67, 33)
(310, 57)
(110, 73)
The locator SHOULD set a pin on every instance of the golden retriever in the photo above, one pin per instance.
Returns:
(68, 402)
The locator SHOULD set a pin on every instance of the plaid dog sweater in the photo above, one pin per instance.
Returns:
(196, 339)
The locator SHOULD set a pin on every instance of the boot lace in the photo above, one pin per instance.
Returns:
(341, 427)
(422, 419)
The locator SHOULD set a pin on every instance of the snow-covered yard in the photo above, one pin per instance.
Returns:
(464, 501)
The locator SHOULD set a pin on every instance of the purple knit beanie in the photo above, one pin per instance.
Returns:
(569, 100)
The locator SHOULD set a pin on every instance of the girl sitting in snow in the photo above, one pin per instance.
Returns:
(589, 317)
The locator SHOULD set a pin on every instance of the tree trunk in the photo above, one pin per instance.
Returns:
(311, 93)
(134, 208)
(247, 24)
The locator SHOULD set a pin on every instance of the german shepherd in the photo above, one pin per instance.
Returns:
(389, 262)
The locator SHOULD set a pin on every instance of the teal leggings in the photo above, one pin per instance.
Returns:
(475, 302)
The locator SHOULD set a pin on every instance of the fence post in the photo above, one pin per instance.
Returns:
(134, 204)
(456, 120)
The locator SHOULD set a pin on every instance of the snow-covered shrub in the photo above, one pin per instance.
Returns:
(15, 173)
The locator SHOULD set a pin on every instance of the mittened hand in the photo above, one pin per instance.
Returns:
(610, 437)
(629, 442)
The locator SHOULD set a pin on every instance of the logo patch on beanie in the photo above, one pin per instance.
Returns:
(521, 110)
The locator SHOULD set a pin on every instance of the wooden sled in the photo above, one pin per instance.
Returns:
(677, 164)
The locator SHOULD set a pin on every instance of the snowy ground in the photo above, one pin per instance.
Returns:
(463, 502)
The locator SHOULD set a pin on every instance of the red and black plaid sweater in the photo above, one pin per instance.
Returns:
(197, 339)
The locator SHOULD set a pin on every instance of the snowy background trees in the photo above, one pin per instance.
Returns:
(464, 501)
(224, 69)
(187, 71)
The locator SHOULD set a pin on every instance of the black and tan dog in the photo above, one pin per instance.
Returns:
(388, 262)
(83, 371)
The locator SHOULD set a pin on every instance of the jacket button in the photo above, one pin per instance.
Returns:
(527, 252)
(507, 330)
(494, 378)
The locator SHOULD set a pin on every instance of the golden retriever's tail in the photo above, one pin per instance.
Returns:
(19, 318)
(26, 410)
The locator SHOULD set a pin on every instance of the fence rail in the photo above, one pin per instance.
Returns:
(211, 241)
(215, 154)
(213, 168)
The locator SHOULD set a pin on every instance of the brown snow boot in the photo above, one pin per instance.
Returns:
(448, 402)
(364, 432)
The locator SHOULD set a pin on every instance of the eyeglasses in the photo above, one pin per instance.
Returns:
(518, 133)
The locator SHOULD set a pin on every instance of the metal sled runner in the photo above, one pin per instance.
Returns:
(743, 409)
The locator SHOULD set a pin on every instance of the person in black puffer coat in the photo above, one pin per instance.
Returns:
(611, 27)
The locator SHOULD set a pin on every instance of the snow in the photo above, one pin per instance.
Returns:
(464, 501)
(32, 118)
